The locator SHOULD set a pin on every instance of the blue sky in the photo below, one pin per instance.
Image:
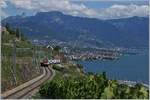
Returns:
(102, 9)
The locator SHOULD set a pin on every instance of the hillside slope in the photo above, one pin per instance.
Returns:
(17, 61)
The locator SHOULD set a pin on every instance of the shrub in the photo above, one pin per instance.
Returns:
(90, 87)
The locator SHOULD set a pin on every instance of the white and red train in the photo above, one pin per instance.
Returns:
(47, 62)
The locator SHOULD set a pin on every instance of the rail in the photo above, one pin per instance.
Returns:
(22, 90)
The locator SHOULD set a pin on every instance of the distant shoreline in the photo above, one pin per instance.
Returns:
(132, 83)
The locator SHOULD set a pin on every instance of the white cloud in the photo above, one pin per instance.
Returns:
(3, 4)
(49, 5)
(3, 14)
(68, 7)
(123, 11)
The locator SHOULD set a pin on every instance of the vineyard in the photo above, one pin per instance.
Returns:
(19, 59)
(91, 87)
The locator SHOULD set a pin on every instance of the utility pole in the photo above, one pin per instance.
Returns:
(14, 63)
(35, 58)
(39, 57)
(19, 35)
(34, 63)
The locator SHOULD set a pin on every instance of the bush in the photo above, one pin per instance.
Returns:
(90, 87)
(56, 67)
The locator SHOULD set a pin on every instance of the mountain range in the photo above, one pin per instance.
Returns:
(82, 31)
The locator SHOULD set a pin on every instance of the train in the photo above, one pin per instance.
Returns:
(47, 62)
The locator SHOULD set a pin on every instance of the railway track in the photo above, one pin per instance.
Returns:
(23, 90)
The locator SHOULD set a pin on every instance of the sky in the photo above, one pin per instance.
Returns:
(102, 9)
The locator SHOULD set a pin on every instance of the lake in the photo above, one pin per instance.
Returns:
(131, 67)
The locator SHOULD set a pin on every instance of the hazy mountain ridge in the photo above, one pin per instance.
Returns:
(127, 32)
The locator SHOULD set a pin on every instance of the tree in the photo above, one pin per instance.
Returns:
(140, 91)
(91, 87)
(57, 48)
(108, 93)
(17, 33)
(7, 27)
(104, 75)
(122, 91)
